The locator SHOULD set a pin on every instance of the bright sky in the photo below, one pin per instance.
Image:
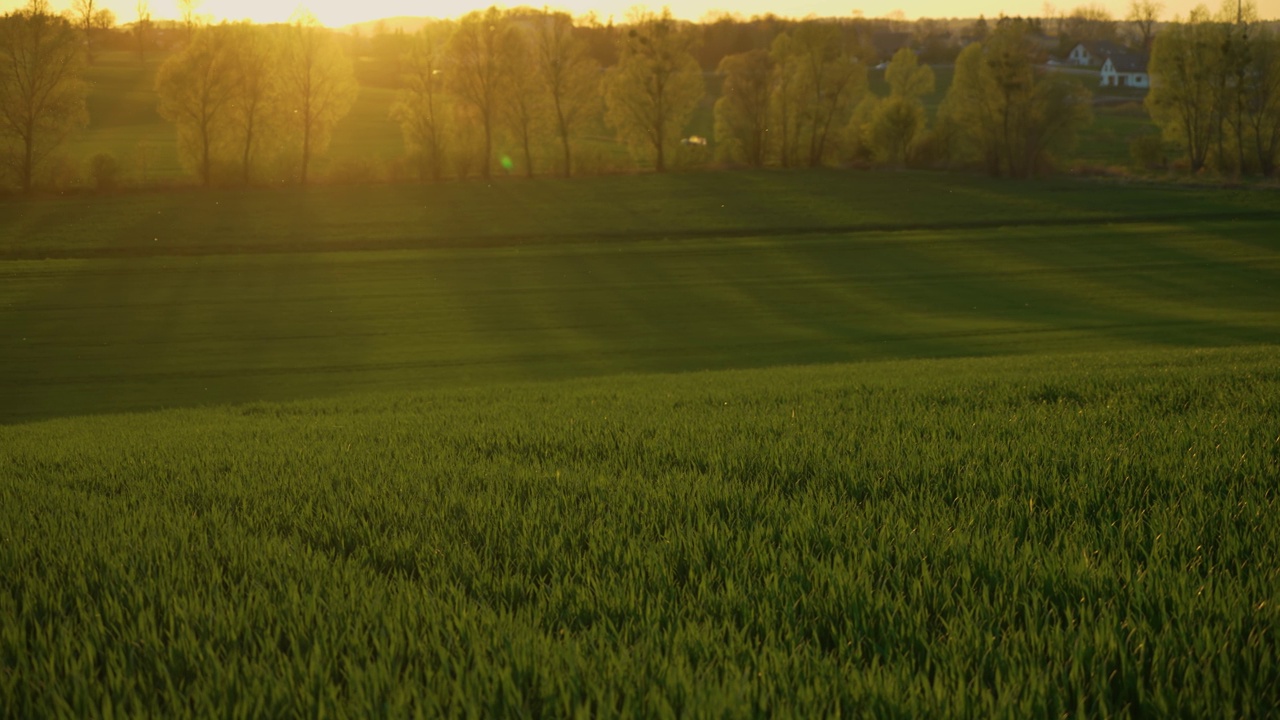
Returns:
(343, 12)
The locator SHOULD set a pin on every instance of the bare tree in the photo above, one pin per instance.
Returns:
(1143, 15)
(421, 105)
(520, 99)
(569, 75)
(142, 29)
(41, 95)
(255, 88)
(104, 20)
(187, 8)
(196, 92)
(319, 86)
(476, 70)
(83, 12)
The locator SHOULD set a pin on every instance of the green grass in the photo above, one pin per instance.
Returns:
(716, 444)
(188, 298)
(1080, 534)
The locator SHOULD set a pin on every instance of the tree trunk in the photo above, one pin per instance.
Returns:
(488, 140)
(306, 149)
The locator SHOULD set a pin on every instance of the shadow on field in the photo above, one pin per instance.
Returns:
(83, 336)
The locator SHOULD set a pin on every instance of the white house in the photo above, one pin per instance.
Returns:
(1125, 70)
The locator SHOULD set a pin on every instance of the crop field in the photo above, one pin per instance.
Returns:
(730, 444)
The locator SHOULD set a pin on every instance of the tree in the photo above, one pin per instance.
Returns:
(783, 100)
(318, 86)
(907, 78)
(520, 97)
(1089, 23)
(421, 105)
(1143, 15)
(196, 89)
(187, 8)
(41, 94)
(1183, 97)
(142, 29)
(742, 112)
(896, 123)
(570, 79)
(652, 91)
(255, 91)
(104, 20)
(1014, 119)
(83, 11)
(477, 63)
(829, 83)
(1262, 98)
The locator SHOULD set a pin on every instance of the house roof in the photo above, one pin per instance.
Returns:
(1103, 48)
(1128, 62)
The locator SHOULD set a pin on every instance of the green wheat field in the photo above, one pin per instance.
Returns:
(786, 444)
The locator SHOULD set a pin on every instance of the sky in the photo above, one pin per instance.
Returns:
(336, 13)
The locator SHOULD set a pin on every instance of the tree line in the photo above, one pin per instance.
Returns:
(257, 103)
(806, 101)
(1216, 90)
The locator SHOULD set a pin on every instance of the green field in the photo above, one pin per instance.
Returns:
(731, 444)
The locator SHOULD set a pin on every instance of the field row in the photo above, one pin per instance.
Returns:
(592, 210)
(80, 336)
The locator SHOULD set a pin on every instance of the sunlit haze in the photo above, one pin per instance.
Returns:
(344, 12)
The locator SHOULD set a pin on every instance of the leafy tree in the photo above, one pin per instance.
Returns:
(742, 112)
(907, 78)
(421, 106)
(895, 125)
(652, 91)
(784, 100)
(1013, 118)
(41, 95)
(1183, 97)
(1261, 98)
(570, 77)
(897, 122)
(196, 89)
(319, 86)
(829, 83)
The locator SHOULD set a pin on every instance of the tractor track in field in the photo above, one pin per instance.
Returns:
(456, 242)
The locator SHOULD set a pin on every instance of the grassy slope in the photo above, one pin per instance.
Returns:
(1080, 523)
(514, 281)
(1082, 534)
